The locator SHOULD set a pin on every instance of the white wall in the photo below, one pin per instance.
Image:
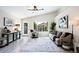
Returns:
(63, 12)
(5, 14)
(73, 14)
(46, 17)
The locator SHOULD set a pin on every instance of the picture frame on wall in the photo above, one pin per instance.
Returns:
(8, 21)
(63, 22)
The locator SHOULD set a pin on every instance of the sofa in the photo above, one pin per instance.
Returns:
(52, 35)
(58, 34)
(63, 39)
(66, 40)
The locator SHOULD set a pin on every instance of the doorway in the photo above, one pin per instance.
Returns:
(25, 28)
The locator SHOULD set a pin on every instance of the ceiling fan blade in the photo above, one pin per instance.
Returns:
(35, 9)
(41, 9)
(30, 9)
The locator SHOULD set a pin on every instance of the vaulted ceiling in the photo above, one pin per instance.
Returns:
(23, 12)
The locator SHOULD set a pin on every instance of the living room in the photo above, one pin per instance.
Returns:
(23, 20)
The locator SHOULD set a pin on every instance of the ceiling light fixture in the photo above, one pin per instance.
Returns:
(35, 9)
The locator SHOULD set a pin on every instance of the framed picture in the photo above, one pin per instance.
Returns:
(63, 22)
(8, 21)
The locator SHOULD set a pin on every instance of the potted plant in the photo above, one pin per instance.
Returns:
(35, 26)
(52, 27)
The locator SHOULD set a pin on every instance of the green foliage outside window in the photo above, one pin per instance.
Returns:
(35, 26)
(41, 27)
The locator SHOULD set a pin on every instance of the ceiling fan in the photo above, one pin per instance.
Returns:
(35, 9)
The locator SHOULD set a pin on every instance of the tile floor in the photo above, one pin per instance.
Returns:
(25, 44)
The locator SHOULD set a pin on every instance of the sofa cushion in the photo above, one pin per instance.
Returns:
(57, 41)
(54, 38)
(54, 32)
(66, 34)
(59, 34)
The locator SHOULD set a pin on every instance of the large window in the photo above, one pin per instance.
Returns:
(41, 26)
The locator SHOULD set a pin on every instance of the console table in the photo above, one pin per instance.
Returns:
(10, 37)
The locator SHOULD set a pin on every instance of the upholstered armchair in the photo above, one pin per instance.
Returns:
(60, 40)
(66, 40)
(34, 34)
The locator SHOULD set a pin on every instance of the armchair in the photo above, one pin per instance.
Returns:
(34, 34)
(66, 40)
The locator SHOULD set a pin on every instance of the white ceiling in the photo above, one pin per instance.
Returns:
(22, 12)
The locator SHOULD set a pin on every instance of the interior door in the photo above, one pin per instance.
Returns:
(25, 28)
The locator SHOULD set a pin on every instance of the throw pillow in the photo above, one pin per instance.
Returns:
(59, 34)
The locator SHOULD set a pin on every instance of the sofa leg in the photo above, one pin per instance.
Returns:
(59, 45)
(72, 49)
